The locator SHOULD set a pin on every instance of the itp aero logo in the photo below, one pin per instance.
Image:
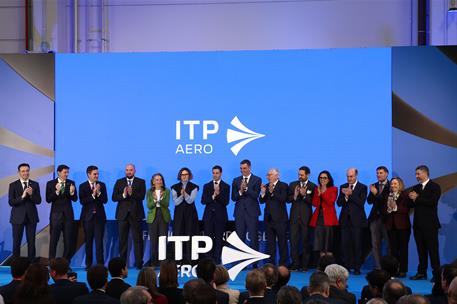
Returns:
(243, 254)
(244, 135)
(196, 144)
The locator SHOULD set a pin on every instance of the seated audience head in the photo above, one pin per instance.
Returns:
(283, 276)
(390, 264)
(205, 270)
(319, 283)
(35, 283)
(168, 274)
(448, 273)
(393, 290)
(338, 276)
(18, 267)
(271, 274)
(190, 287)
(377, 301)
(118, 268)
(288, 295)
(413, 299)
(256, 283)
(59, 268)
(136, 295)
(452, 292)
(147, 277)
(203, 294)
(97, 277)
(376, 280)
(324, 261)
(221, 275)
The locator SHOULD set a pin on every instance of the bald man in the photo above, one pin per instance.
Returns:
(129, 193)
(274, 196)
(353, 219)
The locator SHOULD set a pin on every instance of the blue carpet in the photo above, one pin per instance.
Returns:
(298, 279)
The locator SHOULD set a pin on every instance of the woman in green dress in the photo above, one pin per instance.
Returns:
(158, 200)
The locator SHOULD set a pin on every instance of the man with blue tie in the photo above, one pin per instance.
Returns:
(245, 194)
(352, 220)
(129, 193)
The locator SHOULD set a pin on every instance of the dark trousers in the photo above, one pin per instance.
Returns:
(133, 225)
(157, 228)
(214, 228)
(18, 233)
(245, 223)
(185, 223)
(299, 234)
(351, 241)
(398, 241)
(378, 233)
(427, 245)
(276, 230)
(57, 227)
(94, 228)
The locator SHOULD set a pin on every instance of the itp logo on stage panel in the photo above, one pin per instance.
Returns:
(239, 252)
(239, 138)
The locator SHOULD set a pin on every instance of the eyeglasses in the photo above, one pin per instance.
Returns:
(184, 174)
(323, 177)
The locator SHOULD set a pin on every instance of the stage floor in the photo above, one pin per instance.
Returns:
(298, 279)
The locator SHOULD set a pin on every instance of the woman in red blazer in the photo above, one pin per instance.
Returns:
(324, 216)
(398, 225)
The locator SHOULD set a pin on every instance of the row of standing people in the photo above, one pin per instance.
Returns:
(390, 213)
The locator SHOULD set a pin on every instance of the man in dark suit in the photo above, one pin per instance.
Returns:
(215, 197)
(379, 193)
(245, 194)
(18, 268)
(129, 194)
(352, 219)
(97, 277)
(319, 289)
(23, 196)
(274, 196)
(118, 271)
(424, 199)
(301, 196)
(60, 192)
(92, 195)
(63, 290)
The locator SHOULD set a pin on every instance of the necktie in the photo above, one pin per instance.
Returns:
(215, 183)
(62, 188)
(129, 182)
(92, 187)
(246, 180)
(25, 185)
(381, 187)
(351, 186)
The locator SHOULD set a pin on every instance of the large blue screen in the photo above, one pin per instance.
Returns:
(327, 109)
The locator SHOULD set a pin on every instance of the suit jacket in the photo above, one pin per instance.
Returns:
(354, 208)
(8, 291)
(23, 207)
(426, 205)
(116, 287)
(327, 201)
(222, 297)
(131, 204)
(90, 203)
(247, 202)
(343, 296)
(302, 206)
(322, 299)
(61, 203)
(95, 297)
(65, 291)
(378, 201)
(398, 219)
(152, 209)
(275, 203)
(218, 205)
(174, 295)
(255, 301)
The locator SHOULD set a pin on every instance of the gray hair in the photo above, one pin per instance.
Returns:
(274, 170)
(377, 301)
(336, 272)
(135, 295)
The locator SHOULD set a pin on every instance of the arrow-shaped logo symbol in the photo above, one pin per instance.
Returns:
(244, 134)
(241, 252)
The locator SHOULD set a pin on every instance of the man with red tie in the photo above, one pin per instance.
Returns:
(92, 196)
